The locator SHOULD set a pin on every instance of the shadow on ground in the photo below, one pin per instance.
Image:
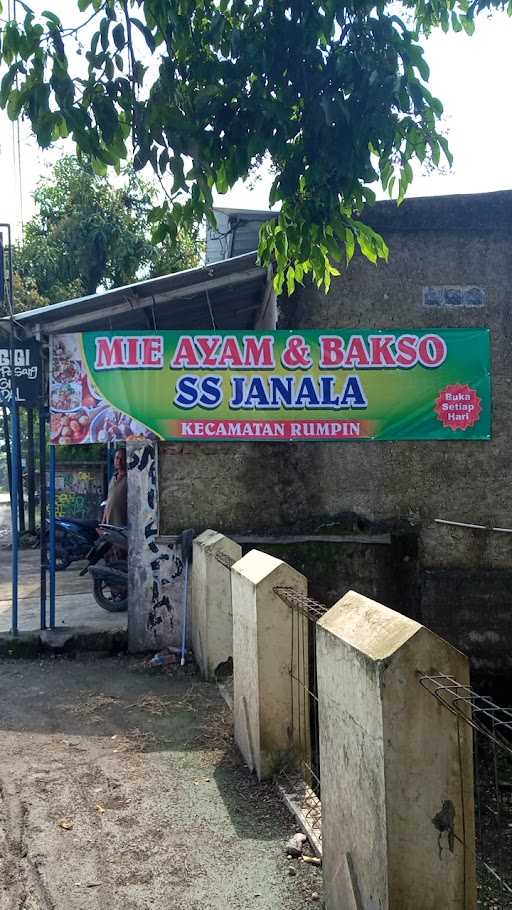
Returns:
(141, 764)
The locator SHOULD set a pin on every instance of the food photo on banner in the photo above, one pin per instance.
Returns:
(388, 384)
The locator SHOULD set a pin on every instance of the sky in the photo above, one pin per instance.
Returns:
(472, 77)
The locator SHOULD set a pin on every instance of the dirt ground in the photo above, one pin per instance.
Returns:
(120, 788)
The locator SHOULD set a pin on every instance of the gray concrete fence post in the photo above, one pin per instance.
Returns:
(262, 661)
(211, 612)
(394, 763)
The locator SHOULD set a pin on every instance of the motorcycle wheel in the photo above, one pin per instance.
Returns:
(115, 600)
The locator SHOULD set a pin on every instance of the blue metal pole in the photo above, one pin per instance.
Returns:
(53, 459)
(15, 436)
(14, 505)
(43, 493)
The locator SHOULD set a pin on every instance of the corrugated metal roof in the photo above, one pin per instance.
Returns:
(232, 290)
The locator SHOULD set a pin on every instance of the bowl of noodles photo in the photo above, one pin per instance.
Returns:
(66, 397)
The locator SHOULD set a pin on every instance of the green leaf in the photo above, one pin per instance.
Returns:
(435, 150)
(456, 24)
(104, 27)
(221, 180)
(370, 243)
(281, 243)
(334, 248)
(350, 245)
(51, 18)
(27, 9)
(443, 142)
(14, 105)
(118, 36)
(99, 168)
(146, 32)
(160, 232)
(278, 282)
(216, 28)
(138, 72)
(6, 85)
(468, 24)
(118, 146)
(290, 280)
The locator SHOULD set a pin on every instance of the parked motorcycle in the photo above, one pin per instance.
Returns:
(110, 579)
(74, 538)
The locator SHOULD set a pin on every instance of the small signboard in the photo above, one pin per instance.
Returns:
(27, 372)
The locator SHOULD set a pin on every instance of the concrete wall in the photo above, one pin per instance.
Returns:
(453, 241)
(443, 242)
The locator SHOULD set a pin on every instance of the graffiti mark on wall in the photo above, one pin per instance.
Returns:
(76, 505)
(78, 492)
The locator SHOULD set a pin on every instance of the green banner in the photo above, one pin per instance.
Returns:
(283, 386)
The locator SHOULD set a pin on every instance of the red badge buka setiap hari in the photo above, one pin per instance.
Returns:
(458, 407)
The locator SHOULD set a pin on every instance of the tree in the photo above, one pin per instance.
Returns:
(26, 295)
(335, 93)
(87, 233)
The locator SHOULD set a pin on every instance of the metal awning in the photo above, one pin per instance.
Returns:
(225, 295)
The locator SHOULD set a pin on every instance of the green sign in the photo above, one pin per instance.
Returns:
(284, 386)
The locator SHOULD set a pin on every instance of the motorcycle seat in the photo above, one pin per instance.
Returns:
(81, 522)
